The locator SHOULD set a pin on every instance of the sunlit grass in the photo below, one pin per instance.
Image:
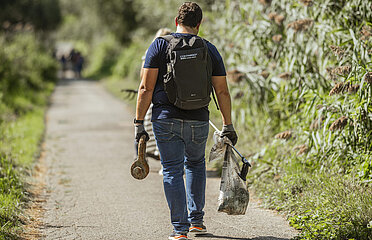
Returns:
(324, 206)
(19, 148)
(22, 137)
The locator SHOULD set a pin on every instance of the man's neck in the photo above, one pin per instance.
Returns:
(185, 29)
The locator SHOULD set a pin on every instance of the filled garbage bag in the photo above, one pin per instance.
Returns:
(234, 195)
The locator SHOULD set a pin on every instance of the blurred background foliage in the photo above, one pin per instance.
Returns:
(40, 15)
(299, 73)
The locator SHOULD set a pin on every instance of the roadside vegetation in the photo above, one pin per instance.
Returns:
(301, 79)
(27, 77)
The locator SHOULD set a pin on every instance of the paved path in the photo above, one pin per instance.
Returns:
(89, 150)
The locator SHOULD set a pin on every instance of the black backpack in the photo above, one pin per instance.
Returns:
(188, 81)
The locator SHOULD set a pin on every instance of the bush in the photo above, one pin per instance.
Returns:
(300, 75)
(103, 57)
(27, 72)
(129, 62)
(126, 72)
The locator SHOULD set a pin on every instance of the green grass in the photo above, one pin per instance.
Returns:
(22, 137)
(322, 206)
(18, 150)
(323, 202)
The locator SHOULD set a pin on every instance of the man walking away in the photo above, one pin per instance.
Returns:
(181, 131)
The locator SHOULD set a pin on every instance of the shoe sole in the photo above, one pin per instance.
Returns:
(178, 238)
(197, 230)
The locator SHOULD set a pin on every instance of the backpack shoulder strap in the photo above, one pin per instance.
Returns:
(167, 38)
(214, 98)
(212, 88)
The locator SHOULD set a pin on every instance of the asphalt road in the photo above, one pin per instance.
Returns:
(91, 194)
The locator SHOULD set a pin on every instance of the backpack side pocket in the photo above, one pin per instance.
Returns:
(170, 87)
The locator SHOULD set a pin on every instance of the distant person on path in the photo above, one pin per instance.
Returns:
(63, 61)
(79, 62)
(181, 134)
(73, 61)
(72, 57)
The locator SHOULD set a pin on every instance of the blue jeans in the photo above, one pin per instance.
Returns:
(182, 147)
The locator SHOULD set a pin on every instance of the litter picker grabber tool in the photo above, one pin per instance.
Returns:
(140, 168)
(131, 93)
(246, 165)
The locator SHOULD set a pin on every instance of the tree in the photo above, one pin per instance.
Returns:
(40, 15)
(119, 16)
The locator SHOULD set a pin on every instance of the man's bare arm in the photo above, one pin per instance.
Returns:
(223, 97)
(145, 91)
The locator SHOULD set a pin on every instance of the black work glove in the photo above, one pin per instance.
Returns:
(140, 131)
(229, 132)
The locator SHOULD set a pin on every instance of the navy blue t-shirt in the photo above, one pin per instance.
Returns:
(162, 108)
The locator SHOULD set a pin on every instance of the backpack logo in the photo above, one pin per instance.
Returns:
(188, 56)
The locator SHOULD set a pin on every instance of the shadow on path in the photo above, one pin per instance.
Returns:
(209, 235)
(69, 81)
(68, 226)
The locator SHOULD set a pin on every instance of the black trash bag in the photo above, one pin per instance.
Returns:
(234, 195)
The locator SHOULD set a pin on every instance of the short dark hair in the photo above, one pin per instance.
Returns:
(189, 14)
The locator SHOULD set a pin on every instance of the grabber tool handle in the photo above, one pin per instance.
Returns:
(244, 171)
(246, 164)
(140, 168)
(244, 160)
